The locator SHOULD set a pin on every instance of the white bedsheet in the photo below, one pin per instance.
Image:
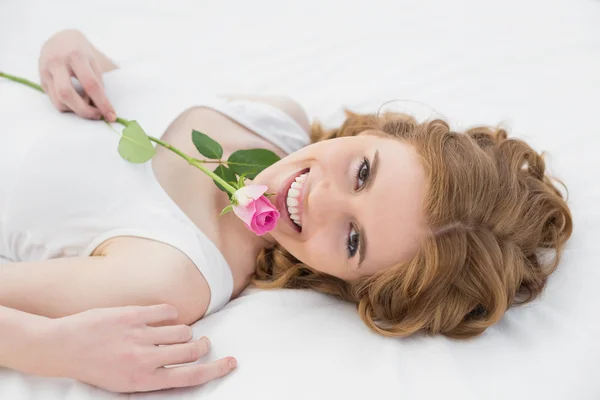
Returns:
(534, 65)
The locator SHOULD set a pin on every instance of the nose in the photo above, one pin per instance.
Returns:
(326, 202)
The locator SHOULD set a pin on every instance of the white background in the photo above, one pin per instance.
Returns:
(532, 65)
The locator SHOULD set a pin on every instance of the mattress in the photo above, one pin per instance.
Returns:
(532, 66)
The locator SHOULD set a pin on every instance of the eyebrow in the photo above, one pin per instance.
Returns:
(362, 245)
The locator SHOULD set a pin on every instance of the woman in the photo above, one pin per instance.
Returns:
(425, 229)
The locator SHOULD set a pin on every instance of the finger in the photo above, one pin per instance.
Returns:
(158, 313)
(45, 77)
(68, 96)
(91, 85)
(171, 334)
(182, 353)
(193, 375)
(48, 85)
(97, 70)
(44, 86)
(51, 91)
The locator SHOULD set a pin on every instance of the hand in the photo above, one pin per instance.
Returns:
(117, 349)
(66, 54)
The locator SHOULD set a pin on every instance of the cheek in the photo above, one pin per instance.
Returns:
(320, 252)
(308, 252)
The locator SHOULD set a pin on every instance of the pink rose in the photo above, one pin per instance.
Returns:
(257, 212)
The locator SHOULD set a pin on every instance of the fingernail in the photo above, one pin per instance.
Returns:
(206, 340)
(112, 116)
(232, 363)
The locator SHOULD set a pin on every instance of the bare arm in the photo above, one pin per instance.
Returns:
(285, 104)
(118, 349)
(131, 272)
(20, 334)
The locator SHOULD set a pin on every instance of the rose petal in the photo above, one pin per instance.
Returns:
(260, 216)
(246, 214)
(260, 219)
(263, 204)
(248, 193)
(268, 225)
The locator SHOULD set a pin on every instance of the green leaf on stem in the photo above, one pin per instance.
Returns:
(135, 146)
(226, 174)
(241, 180)
(207, 146)
(251, 162)
(226, 210)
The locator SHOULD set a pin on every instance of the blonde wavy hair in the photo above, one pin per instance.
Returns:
(497, 228)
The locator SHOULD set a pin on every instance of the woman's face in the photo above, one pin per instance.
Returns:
(359, 201)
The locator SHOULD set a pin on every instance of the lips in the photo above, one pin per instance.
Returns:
(280, 201)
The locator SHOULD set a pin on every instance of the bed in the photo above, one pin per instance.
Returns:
(532, 66)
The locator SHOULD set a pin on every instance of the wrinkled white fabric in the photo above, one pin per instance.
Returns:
(531, 65)
(66, 189)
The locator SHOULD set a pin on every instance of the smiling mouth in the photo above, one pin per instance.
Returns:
(291, 199)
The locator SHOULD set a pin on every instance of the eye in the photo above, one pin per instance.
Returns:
(352, 242)
(362, 173)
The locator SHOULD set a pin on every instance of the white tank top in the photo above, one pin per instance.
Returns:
(64, 188)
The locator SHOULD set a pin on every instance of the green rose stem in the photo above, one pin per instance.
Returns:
(192, 161)
(23, 81)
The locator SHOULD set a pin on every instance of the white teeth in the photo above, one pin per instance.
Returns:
(296, 219)
(301, 178)
(292, 199)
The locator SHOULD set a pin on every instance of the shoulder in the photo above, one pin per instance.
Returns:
(286, 104)
(145, 250)
(242, 128)
(293, 109)
(168, 275)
